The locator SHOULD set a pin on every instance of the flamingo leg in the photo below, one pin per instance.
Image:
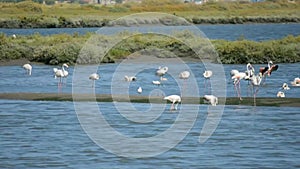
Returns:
(239, 90)
(172, 107)
(204, 85)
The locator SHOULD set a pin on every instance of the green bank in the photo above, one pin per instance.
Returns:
(65, 48)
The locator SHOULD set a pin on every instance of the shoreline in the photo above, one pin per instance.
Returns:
(247, 101)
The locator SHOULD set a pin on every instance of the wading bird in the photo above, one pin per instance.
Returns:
(296, 82)
(61, 73)
(280, 94)
(285, 86)
(213, 100)
(174, 99)
(207, 74)
(237, 76)
(94, 77)
(129, 79)
(268, 70)
(28, 68)
(140, 90)
(255, 81)
(162, 71)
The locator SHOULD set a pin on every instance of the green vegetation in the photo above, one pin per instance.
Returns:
(64, 48)
(27, 14)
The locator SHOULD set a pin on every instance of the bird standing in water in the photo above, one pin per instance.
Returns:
(174, 99)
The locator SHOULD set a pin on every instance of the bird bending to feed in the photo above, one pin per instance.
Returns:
(207, 74)
(285, 86)
(28, 68)
(129, 79)
(174, 99)
(184, 75)
(296, 82)
(163, 79)
(237, 76)
(61, 73)
(162, 71)
(94, 77)
(156, 82)
(280, 94)
(140, 90)
(213, 100)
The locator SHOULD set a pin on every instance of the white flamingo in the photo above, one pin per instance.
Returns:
(174, 99)
(280, 94)
(162, 71)
(296, 82)
(256, 81)
(28, 68)
(237, 77)
(207, 74)
(156, 82)
(94, 77)
(140, 90)
(61, 73)
(213, 100)
(184, 75)
(285, 86)
(163, 79)
(130, 78)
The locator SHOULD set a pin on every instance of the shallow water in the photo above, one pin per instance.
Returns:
(39, 134)
(14, 79)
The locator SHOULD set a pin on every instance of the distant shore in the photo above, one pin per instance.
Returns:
(21, 23)
(247, 101)
(29, 14)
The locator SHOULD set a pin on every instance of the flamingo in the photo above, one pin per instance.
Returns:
(140, 90)
(285, 86)
(156, 82)
(268, 70)
(296, 82)
(162, 71)
(28, 68)
(163, 79)
(213, 100)
(94, 77)
(61, 73)
(174, 99)
(207, 74)
(237, 77)
(280, 94)
(255, 81)
(129, 79)
(184, 75)
(249, 72)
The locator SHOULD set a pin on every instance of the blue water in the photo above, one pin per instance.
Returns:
(41, 134)
(256, 32)
(45, 134)
(14, 79)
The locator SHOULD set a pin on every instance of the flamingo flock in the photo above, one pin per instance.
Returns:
(255, 81)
